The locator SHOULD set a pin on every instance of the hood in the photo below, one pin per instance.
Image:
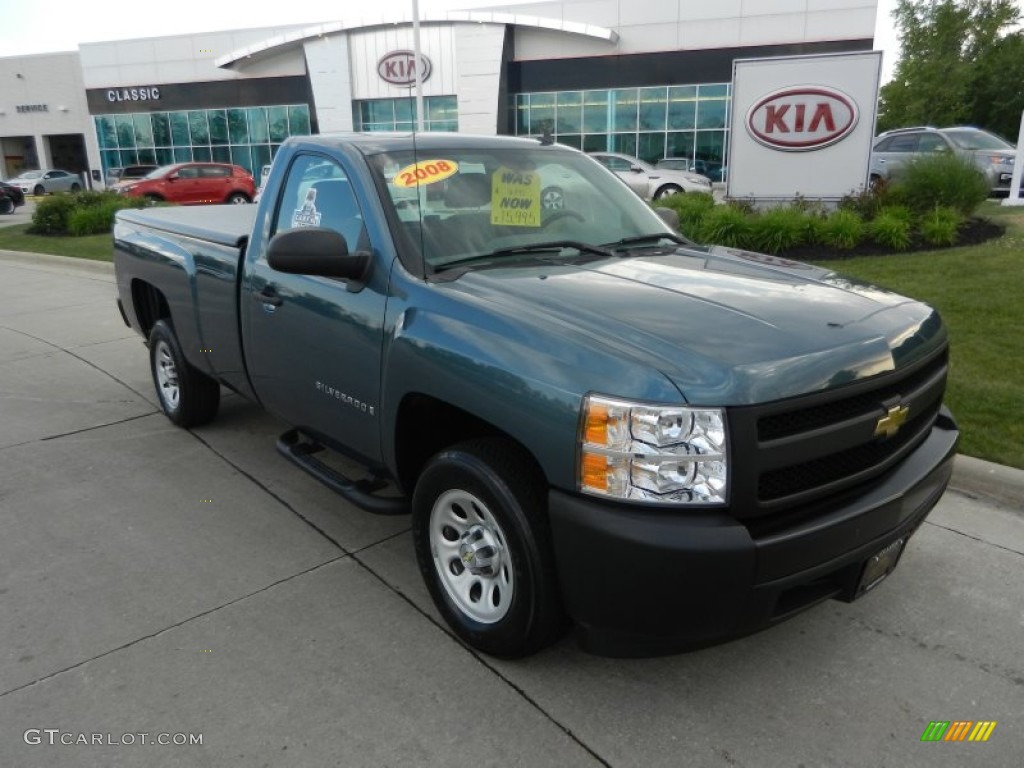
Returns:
(728, 327)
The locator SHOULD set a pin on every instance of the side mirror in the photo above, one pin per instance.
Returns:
(320, 252)
(636, 169)
(669, 216)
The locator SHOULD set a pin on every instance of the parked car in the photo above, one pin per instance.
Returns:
(10, 197)
(46, 181)
(117, 176)
(649, 182)
(992, 155)
(194, 184)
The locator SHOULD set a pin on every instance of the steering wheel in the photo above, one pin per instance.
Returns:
(559, 215)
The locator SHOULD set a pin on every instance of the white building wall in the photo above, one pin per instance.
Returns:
(647, 26)
(479, 56)
(367, 48)
(53, 80)
(183, 59)
(331, 80)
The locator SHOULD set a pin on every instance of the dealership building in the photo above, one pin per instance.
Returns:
(651, 79)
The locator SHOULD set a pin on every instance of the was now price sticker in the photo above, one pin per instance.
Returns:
(515, 198)
(425, 172)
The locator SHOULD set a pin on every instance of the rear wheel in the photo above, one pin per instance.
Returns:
(237, 198)
(187, 396)
(154, 199)
(76, 187)
(483, 546)
(668, 191)
(39, 190)
(6, 206)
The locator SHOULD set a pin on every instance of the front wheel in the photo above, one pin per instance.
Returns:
(483, 546)
(76, 187)
(187, 396)
(667, 191)
(39, 191)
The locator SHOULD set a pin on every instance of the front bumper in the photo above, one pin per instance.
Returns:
(646, 582)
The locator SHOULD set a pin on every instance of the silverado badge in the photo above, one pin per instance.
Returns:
(890, 424)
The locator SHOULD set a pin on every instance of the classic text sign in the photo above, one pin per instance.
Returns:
(399, 68)
(802, 119)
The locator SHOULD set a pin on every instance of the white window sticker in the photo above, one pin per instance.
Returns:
(307, 215)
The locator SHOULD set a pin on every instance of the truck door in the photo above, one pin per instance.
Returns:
(313, 348)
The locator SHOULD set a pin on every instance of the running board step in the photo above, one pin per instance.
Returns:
(300, 452)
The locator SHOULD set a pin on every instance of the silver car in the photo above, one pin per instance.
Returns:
(45, 181)
(649, 182)
(993, 156)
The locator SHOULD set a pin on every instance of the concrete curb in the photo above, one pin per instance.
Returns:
(47, 259)
(994, 482)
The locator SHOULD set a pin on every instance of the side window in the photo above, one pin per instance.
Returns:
(904, 143)
(188, 172)
(214, 171)
(317, 193)
(616, 164)
(931, 142)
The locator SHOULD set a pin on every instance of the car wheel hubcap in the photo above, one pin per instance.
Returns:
(471, 556)
(167, 376)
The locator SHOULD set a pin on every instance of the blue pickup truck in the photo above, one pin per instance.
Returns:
(591, 420)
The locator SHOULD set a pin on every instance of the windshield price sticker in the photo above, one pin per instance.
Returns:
(515, 198)
(425, 172)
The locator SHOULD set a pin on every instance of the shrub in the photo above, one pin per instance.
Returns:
(84, 213)
(940, 226)
(867, 203)
(941, 179)
(901, 212)
(725, 225)
(691, 207)
(779, 229)
(842, 229)
(891, 230)
(51, 215)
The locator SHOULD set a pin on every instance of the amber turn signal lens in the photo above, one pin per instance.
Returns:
(596, 431)
(594, 472)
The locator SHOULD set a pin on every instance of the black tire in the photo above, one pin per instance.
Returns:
(489, 478)
(6, 206)
(154, 199)
(876, 183)
(668, 191)
(76, 187)
(237, 198)
(187, 396)
(38, 191)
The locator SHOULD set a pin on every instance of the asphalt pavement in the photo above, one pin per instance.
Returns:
(166, 585)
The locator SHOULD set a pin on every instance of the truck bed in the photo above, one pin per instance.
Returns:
(227, 225)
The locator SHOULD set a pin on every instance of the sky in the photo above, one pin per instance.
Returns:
(35, 26)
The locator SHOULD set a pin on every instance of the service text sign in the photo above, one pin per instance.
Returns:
(802, 125)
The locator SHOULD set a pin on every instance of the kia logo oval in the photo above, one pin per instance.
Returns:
(802, 119)
(399, 68)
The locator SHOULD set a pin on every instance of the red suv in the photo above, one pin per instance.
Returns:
(194, 184)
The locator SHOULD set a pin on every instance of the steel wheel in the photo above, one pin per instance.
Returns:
(166, 376)
(471, 557)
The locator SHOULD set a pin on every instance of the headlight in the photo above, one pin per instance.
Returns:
(1000, 160)
(656, 453)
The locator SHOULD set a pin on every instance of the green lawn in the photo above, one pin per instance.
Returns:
(979, 291)
(95, 247)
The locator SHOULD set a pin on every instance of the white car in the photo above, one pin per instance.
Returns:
(649, 182)
(46, 181)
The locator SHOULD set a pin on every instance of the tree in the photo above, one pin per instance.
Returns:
(961, 62)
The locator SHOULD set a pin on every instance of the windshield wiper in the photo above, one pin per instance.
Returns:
(652, 238)
(550, 245)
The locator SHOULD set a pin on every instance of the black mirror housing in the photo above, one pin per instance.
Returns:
(320, 252)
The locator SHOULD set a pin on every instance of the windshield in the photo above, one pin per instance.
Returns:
(977, 140)
(31, 175)
(458, 204)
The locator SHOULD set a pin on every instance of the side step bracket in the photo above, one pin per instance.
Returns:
(300, 452)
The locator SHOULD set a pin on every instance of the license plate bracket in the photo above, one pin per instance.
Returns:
(880, 565)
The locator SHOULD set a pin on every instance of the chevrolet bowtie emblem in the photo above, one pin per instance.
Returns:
(890, 424)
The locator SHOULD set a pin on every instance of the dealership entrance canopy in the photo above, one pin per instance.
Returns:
(650, 79)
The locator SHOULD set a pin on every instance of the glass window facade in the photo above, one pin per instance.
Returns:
(689, 121)
(442, 114)
(245, 137)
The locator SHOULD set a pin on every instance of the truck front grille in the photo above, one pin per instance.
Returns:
(807, 448)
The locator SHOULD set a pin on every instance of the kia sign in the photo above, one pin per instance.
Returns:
(399, 68)
(802, 126)
(802, 119)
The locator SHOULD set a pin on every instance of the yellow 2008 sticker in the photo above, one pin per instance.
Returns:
(425, 172)
(515, 198)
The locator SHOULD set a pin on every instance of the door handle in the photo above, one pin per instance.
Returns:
(881, 161)
(268, 296)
